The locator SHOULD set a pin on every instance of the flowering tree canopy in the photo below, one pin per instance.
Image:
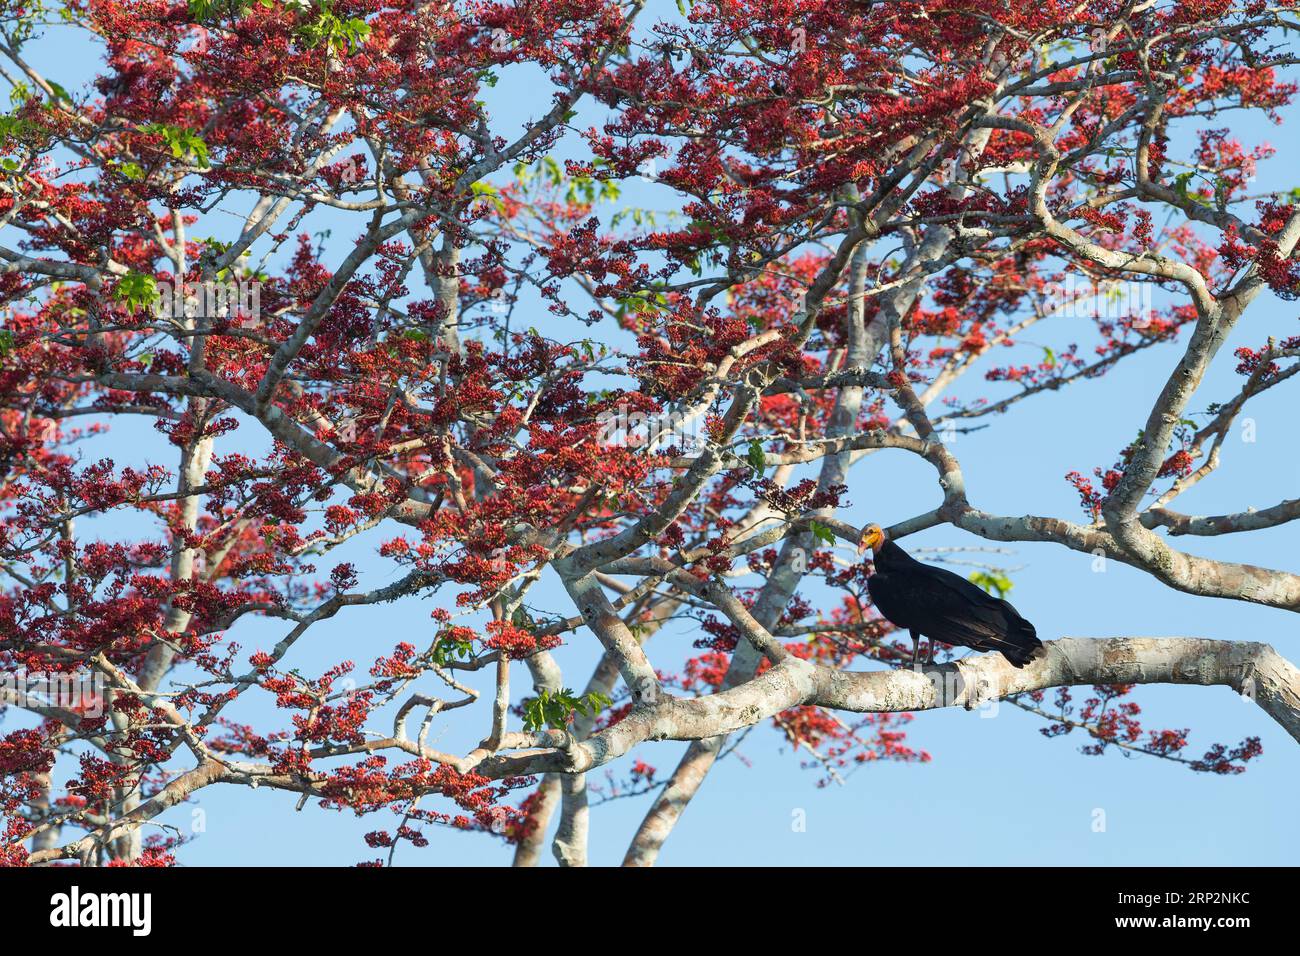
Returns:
(497, 372)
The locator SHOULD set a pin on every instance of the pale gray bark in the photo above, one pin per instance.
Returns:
(570, 846)
(1255, 670)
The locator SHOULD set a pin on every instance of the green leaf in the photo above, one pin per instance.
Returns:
(490, 193)
(201, 10)
(334, 33)
(184, 143)
(6, 342)
(555, 708)
(11, 127)
(552, 170)
(137, 290)
(448, 649)
(1180, 187)
(992, 581)
(821, 532)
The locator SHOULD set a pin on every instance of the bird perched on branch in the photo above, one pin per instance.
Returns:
(943, 606)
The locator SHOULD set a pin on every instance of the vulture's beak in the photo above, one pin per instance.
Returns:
(872, 537)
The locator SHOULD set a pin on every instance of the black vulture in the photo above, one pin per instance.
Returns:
(943, 606)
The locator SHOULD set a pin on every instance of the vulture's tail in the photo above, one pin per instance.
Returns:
(1022, 644)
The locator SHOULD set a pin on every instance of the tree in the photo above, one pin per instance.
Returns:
(498, 371)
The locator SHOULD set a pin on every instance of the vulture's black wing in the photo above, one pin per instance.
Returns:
(955, 611)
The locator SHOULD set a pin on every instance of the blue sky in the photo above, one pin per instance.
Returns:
(997, 791)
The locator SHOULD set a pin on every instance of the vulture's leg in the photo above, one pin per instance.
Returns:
(916, 648)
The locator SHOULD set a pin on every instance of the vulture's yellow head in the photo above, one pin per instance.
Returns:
(873, 536)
